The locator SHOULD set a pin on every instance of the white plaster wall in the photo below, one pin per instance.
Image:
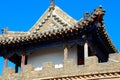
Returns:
(51, 54)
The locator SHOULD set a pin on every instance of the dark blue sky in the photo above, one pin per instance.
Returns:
(20, 15)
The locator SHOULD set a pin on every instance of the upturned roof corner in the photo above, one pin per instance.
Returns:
(57, 22)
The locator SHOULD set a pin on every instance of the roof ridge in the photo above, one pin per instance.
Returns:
(49, 13)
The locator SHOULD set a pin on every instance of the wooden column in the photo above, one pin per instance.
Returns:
(23, 58)
(5, 62)
(65, 51)
(80, 55)
(16, 68)
(85, 49)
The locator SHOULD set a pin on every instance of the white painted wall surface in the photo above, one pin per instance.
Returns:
(51, 54)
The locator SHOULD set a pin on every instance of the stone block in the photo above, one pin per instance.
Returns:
(27, 68)
(115, 57)
(0, 77)
(48, 66)
(47, 69)
(8, 71)
(91, 60)
(68, 64)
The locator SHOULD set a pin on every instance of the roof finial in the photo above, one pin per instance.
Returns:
(52, 4)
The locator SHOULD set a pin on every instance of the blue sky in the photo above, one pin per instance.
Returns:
(20, 15)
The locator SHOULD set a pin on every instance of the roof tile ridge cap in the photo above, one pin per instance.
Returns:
(105, 31)
(17, 32)
(110, 40)
(66, 13)
(40, 19)
(60, 20)
(99, 10)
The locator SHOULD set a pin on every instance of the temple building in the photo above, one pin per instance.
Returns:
(80, 50)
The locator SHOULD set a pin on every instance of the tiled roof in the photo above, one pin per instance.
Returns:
(57, 22)
(98, 76)
(52, 19)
